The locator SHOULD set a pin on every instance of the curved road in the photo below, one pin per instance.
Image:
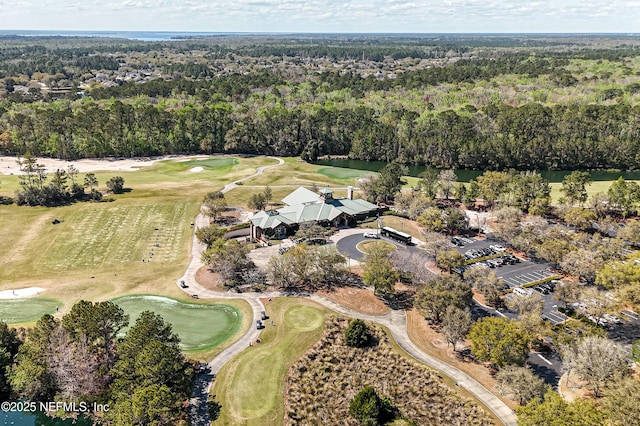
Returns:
(394, 320)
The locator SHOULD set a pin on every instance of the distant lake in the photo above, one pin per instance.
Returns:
(466, 175)
(37, 419)
(131, 35)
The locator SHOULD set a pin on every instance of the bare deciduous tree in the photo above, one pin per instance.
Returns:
(488, 284)
(596, 360)
(434, 242)
(520, 384)
(525, 303)
(507, 222)
(456, 323)
(411, 264)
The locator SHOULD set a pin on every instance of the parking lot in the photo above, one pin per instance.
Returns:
(514, 274)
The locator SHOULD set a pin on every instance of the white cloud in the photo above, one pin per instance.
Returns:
(327, 15)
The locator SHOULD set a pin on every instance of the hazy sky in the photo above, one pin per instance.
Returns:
(620, 16)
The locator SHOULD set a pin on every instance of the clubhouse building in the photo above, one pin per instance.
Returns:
(304, 205)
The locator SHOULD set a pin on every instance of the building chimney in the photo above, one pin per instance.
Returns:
(350, 192)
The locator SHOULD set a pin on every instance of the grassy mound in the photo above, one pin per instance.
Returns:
(200, 326)
(321, 385)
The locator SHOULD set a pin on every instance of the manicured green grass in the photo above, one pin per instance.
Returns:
(595, 187)
(96, 252)
(250, 387)
(23, 310)
(342, 174)
(200, 326)
(212, 162)
(295, 172)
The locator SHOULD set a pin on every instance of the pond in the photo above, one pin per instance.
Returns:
(464, 175)
(38, 419)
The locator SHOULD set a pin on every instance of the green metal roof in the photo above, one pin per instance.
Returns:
(301, 195)
(310, 209)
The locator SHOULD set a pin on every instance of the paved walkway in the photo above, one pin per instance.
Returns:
(395, 321)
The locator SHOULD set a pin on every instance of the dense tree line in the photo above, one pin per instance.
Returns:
(528, 137)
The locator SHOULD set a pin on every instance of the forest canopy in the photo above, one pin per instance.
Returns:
(480, 103)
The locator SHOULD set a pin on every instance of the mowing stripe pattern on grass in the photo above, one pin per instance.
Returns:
(107, 234)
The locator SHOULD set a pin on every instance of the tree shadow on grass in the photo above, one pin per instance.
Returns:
(214, 408)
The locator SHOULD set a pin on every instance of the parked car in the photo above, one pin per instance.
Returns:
(317, 241)
(612, 318)
(374, 235)
(259, 325)
(283, 250)
(522, 291)
(498, 248)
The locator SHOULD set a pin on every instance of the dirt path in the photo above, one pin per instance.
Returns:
(394, 320)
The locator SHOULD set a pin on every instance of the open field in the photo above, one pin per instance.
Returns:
(26, 310)
(96, 252)
(595, 187)
(296, 173)
(200, 326)
(251, 386)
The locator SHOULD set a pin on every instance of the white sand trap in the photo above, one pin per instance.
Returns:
(196, 169)
(20, 292)
(9, 166)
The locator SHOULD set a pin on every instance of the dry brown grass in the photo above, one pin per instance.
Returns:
(321, 385)
(359, 299)
(209, 280)
(432, 343)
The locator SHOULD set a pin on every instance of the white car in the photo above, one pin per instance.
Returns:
(498, 248)
(371, 235)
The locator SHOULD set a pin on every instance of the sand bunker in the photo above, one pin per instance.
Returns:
(9, 165)
(20, 292)
(196, 169)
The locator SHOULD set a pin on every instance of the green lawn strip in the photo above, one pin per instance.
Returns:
(342, 174)
(200, 326)
(251, 386)
(99, 237)
(26, 310)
